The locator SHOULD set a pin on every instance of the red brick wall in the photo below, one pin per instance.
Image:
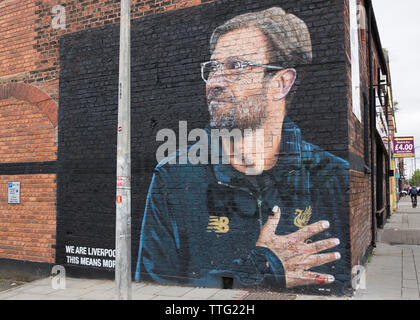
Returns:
(17, 38)
(27, 230)
(360, 181)
(360, 215)
(26, 134)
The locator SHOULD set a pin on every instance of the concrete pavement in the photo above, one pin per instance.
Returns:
(83, 289)
(393, 273)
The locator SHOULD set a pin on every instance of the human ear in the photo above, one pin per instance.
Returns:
(282, 83)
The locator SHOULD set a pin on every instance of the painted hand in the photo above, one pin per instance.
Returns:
(296, 256)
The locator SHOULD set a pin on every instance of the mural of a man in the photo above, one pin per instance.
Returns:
(268, 219)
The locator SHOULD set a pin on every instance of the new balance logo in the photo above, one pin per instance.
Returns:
(218, 225)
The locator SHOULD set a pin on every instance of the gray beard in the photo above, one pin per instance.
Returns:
(250, 115)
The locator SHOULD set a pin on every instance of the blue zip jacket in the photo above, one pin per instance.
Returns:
(201, 222)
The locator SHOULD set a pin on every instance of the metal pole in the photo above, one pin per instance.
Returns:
(415, 159)
(123, 199)
(412, 169)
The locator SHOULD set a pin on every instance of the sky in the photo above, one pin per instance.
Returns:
(399, 29)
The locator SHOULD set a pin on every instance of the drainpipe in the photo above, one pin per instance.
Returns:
(372, 126)
(388, 158)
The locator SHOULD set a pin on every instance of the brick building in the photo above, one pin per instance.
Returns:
(58, 109)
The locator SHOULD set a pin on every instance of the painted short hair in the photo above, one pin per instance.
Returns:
(288, 36)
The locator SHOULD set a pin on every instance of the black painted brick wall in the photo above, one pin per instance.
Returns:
(166, 88)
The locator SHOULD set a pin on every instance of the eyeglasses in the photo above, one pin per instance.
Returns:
(231, 69)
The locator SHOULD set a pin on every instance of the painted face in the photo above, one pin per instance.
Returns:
(240, 103)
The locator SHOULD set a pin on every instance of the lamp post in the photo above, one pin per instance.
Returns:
(123, 198)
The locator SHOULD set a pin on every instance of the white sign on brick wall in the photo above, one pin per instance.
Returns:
(14, 192)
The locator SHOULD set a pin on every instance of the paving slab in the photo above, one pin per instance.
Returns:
(139, 296)
(201, 293)
(229, 295)
(410, 293)
(105, 286)
(38, 290)
(71, 293)
(378, 296)
(26, 296)
(159, 297)
(8, 294)
(99, 295)
(175, 291)
(55, 297)
(42, 282)
(137, 285)
(410, 284)
(149, 289)
(73, 283)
